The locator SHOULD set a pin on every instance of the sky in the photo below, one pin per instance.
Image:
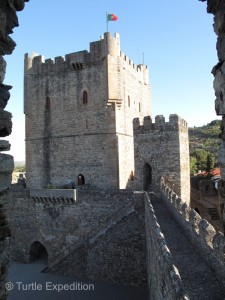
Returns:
(174, 38)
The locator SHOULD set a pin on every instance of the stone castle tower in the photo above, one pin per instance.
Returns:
(88, 121)
(79, 112)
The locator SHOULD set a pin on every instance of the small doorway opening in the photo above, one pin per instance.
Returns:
(147, 182)
(38, 252)
(81, 179)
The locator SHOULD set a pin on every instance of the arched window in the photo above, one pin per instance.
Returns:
(47, 103)
(128, 101)
(85, 97)
(139, 107)
(80, 179)
(132, 176)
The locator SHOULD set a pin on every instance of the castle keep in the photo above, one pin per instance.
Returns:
(79, 122)
(118, 236)
(79, 113)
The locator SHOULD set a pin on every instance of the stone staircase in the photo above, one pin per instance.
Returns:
(87, 241)
(213, 212)
(198, 279)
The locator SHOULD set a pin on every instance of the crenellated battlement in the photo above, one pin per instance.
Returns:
(107, 45)
(209, 243)
(74, 60)
(174, 123)
(137, 67)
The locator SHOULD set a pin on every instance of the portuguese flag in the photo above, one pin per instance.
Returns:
(112, 17)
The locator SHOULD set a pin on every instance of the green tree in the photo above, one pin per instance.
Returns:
(193, 165)
(201, 157)
(20, 168)
(204, 159)
(209, 162)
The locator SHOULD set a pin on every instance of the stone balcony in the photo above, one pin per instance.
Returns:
(54, 195)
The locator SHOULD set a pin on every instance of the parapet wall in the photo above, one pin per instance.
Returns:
(175, 122)
(164, 281)
(54, 195)
(202, 234)
(83, 238)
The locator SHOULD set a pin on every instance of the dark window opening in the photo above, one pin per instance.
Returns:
(128, 101)
(132, 176)
(47, 103)
(139, 107)
(81, 179)
(77, 65)
(85, 97)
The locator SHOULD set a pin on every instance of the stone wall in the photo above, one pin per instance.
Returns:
(201, 233)
(164, 281)
(101, 236)
(116, 252)
(217, 8)
(68, 137)
(8, 20)
(162, 149)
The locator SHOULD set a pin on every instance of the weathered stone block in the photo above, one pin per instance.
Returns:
(194, 219)
(220, 46)
(5, 123)
(7, 45)
(2, 69)
(207, 231)
(4, 95)
(219, 245)
(6, 168)
(4, 145)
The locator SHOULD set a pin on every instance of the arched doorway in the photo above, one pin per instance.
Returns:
(38, 252)
(80, 179)
(147, 177)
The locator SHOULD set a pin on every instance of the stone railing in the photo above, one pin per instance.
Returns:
(202, 234)
(54, 195)
(166, 281)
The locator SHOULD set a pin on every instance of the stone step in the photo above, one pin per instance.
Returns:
(213, 213)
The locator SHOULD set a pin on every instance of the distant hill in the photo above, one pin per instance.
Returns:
(19, 163)
(205, 137)
(203, 144)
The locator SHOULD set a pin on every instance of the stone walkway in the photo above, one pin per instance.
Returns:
(198, 280)
(29, 283)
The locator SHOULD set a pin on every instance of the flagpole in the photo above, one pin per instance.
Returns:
(107, 22)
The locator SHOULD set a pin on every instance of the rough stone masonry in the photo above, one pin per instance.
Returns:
(8, 20)
(217, 8)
